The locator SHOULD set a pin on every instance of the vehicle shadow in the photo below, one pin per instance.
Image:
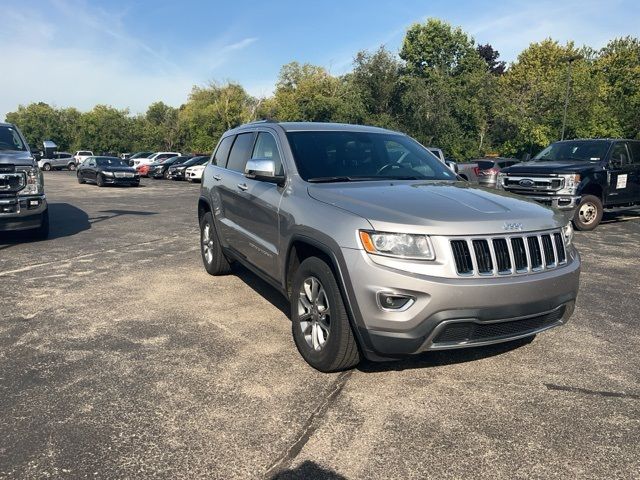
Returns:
(118, 213)
(308, 470)
(65, 220)
(619, 217)
(443, 357)
(262, 288)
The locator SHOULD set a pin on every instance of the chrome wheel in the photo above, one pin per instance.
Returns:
(588, 213)
(207, 242)
(314, 313)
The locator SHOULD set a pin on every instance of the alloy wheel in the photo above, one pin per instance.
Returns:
(314, 313)
(207, 243)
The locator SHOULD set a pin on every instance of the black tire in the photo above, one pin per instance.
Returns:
(46, 167)
(136, 184)
(214, 260)
(165, 175)
(42, 232)
(99, 180)
(71, 167)
(80, 179)
(340, 352)
(588, 214)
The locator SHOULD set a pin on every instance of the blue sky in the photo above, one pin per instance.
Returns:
(131, 53)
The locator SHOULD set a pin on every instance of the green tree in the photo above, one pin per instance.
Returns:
(106, 129)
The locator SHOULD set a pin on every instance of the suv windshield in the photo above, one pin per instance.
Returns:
(10, 139)
(578, 150)
(342, 156)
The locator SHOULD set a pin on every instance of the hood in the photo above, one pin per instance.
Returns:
(16, 157)
(548, 167)
(438, 208)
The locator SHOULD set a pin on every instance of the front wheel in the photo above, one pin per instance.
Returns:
(320, 324)
(589, 213)
(100, 180)
(42, 232)
(80, 179)
(215, 262)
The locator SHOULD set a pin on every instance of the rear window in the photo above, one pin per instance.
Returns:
(486, 164)
(222, 152)
(84, 154)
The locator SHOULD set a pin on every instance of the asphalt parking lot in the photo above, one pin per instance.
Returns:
(121, 358)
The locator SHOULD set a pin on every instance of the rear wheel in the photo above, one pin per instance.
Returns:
(320, 324)
(46, 167)
(215, 262)
(589, 213)
(71, 167)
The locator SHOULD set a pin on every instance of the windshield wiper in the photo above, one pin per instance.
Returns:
(338, 178)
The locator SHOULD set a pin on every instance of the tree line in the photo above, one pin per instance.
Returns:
(441, 88)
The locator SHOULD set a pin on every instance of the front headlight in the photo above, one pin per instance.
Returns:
(108, 174)
(400, 245)
(500, 180)
(35, 182)
(571, 182)
(567, 233)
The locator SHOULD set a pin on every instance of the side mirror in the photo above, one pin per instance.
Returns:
(263, 169)
(452, 165)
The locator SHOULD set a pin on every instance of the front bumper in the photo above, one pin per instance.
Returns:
(22, 213)
(456, 312)
(121, 181)
(562, 202)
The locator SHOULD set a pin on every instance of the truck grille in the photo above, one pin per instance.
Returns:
(533, 184)
(508, 255)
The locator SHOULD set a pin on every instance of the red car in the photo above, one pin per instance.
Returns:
(143, 170)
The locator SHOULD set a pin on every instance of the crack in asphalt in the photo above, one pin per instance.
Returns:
(601, 393)
(310, 426)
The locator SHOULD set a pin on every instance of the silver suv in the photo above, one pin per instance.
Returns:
(379, 247)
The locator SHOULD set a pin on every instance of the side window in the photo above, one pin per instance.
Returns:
(620, 155)
(266, 147)
(222, 152)
(634, 149)
(240, 152)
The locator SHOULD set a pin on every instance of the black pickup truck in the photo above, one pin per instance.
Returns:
(583, 177)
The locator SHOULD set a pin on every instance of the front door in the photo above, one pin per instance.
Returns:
(634, 176)
(622, 175)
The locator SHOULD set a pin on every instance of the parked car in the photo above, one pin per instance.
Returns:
(23, 204)
(138, 155)
(176, 171)
(581, 177)
(81, 155)
(142, 169)
(156, 157)
(488, 169)
(194, 174)
(125, 156)
(161, 169)
(59, 161)
(107, 171)
(467, 171)
(381, 256)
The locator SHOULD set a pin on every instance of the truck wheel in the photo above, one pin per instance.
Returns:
(100, 181)
(319, 321)
(46, 167)
(42, 232)
(215, 262)
(588, 214)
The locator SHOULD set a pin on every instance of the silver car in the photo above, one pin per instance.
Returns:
(59, 161)
(380, 249)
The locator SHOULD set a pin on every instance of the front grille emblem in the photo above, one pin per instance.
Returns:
(525, 182)
(510, 227)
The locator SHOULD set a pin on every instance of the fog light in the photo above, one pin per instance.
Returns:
(394, 301)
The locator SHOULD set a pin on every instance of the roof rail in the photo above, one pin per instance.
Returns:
(262, 120)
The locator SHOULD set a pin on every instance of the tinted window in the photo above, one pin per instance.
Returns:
(634, 149)
(579, 150)
(266, 147)
(619, 155)
(240, 152)
(84, 153)
(222, 153)
(319, 155)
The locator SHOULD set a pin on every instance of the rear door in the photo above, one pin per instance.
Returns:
(634, 175)
(621, 175)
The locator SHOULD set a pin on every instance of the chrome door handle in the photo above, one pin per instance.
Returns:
(217, 177)
(242, 186)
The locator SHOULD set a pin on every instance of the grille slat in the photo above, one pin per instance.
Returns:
(483, 256)
(509, 254)
(502, 254)
(534, 252)
(549, 254)
(462, 256)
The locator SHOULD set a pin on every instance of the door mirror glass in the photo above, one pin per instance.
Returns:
(263, 169)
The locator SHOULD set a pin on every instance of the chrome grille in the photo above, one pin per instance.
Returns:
(530, 184)
(508, 255)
